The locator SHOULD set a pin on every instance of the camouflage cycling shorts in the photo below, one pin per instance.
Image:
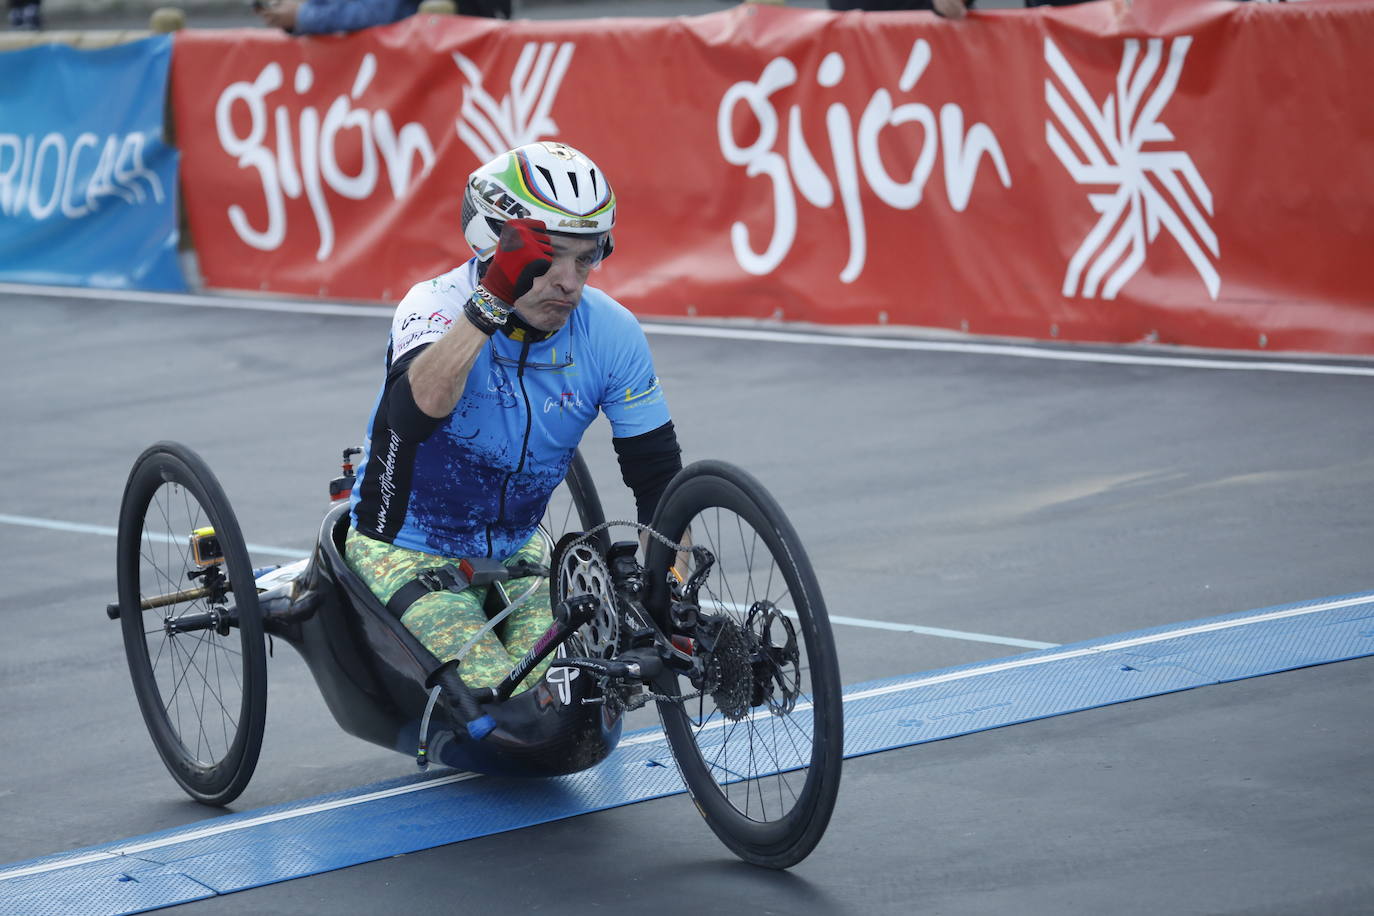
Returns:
(444, 621)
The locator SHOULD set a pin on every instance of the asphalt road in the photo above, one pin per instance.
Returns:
(1043, 500)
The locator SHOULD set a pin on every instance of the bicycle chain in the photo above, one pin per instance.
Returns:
(666, 542)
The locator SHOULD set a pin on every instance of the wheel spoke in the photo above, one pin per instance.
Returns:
(182, 659)
(210, 696)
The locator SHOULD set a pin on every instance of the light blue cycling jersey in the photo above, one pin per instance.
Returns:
(479, 483)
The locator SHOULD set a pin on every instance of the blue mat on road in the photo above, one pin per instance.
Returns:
(250, 849)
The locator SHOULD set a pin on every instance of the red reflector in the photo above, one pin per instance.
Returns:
(685, 645)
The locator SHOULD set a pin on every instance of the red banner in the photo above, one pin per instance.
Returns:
(1192, 174)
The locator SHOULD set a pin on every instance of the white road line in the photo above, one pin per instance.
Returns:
(77, 528)
(294, 554)
(196, 300)
(1013, 350)
(941, 632)
(897, 627)
(818, 338)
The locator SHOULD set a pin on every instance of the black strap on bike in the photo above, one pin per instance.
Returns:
(455, 577)
(435, 579)
(523, 569)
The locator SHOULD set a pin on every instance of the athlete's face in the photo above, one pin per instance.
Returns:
(553, 297)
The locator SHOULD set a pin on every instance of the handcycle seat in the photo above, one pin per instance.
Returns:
(373, 672)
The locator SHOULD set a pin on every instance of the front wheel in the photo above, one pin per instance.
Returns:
(188, 607)
(758, 730)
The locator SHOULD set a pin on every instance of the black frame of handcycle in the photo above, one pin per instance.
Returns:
(375, 676)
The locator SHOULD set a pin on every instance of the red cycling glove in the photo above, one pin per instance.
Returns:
(523, 255)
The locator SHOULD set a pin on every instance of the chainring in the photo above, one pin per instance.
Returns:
(579, 569)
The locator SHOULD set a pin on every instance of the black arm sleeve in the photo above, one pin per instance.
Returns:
(647, 463)
(398, 403)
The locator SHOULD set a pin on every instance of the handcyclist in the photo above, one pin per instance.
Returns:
(493, 372)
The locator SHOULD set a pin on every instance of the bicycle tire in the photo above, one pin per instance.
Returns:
(203, 693)
(766, 780)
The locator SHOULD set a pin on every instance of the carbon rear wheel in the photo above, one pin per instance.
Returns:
(759, 735)
(191, 623)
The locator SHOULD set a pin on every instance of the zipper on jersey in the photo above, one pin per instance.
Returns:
(524, 443)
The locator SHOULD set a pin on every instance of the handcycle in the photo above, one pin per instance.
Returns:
(722, 627)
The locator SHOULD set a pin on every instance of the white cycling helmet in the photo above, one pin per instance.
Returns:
(547, 181)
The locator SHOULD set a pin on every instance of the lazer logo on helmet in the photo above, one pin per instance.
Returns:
(495, 195)
(577, 224)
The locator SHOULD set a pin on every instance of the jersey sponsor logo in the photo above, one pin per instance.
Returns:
(500, 387)
(565, 399)
(635, 398)
(387, 482)
(435, 324)
(405, 343)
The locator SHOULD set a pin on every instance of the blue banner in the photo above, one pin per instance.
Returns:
(88, 185)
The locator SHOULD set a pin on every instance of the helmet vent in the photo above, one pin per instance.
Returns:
(545, 181)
